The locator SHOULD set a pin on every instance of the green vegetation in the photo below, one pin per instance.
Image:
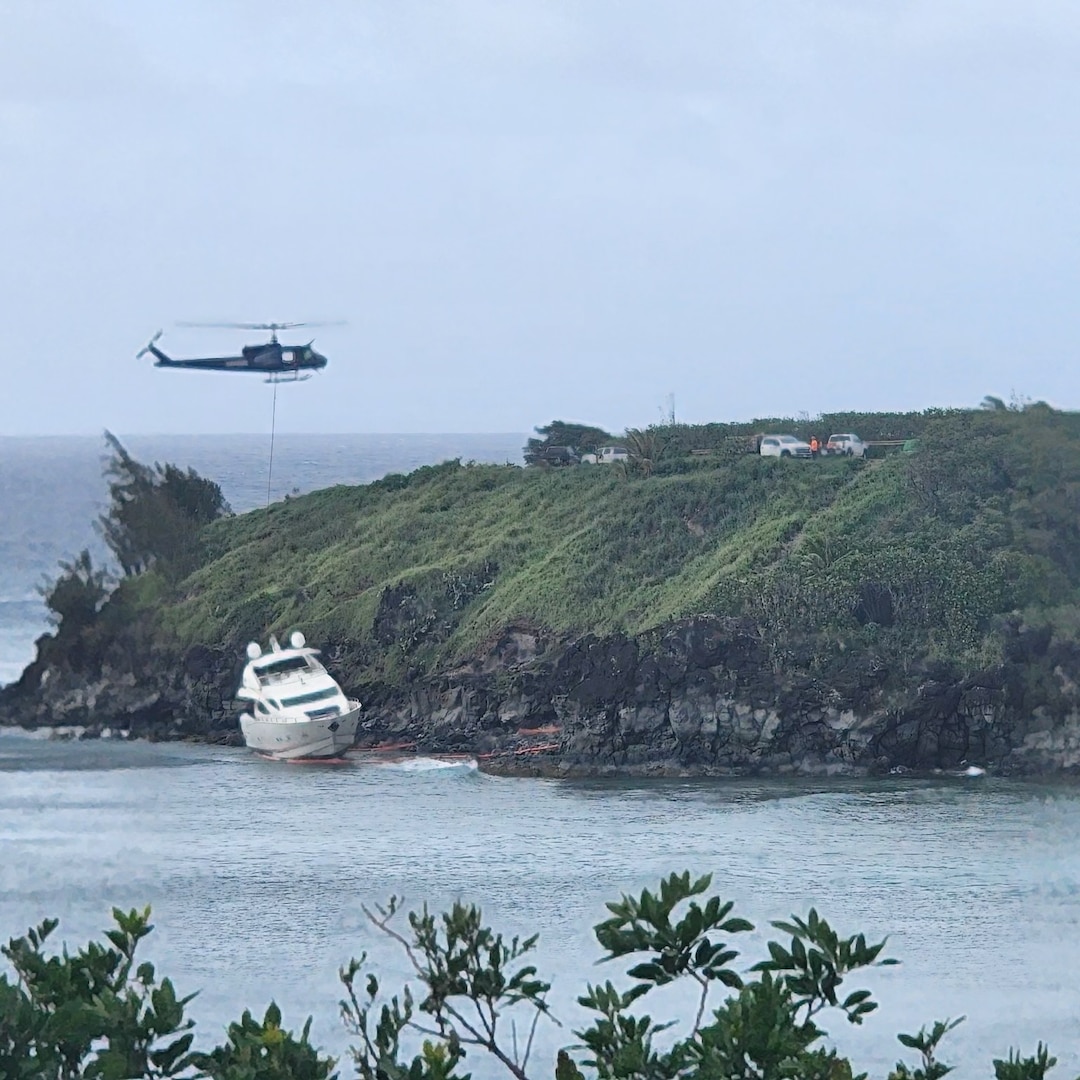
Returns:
(156, 521)
(869, 426)
(919, 555)
(95, 1014)
(77, 595)
(156, 513)
(582, 437)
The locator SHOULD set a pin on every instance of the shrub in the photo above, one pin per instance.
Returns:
(95, 1014)
(76, 596)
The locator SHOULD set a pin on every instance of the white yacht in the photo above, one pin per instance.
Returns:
(297, 709)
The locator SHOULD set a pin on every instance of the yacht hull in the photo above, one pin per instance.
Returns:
(286, 738)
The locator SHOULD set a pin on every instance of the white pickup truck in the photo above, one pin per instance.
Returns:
(846, 446)
(783, 446)
(605, 455)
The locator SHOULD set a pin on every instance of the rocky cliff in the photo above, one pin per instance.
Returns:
(703, 696)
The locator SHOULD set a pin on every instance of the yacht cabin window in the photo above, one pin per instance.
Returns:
(269, 672)
(315, 695)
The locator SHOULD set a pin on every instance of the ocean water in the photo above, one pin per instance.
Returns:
(257, 872)
(52, 490)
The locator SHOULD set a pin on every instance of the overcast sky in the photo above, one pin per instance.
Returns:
(537, 209)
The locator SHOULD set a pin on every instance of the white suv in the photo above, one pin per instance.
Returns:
(783, 446)
(847, 445)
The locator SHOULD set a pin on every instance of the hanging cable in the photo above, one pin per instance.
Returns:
(273, 428)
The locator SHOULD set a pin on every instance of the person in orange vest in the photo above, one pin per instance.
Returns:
(815, 446)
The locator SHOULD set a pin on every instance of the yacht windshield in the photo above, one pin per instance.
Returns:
(315, 695)
(283, 667)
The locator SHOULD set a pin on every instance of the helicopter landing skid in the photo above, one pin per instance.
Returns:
(287, 378)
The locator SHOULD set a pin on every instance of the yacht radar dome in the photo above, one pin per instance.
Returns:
(297, 640)
(253, 650)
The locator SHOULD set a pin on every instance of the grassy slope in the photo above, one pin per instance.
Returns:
(976, 524)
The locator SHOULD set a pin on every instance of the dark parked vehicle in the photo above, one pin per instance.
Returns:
(554, 456)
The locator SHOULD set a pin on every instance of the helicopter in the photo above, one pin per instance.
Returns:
(278, 362)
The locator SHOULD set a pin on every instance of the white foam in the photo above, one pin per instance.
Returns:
(428, 764)
(58, 733)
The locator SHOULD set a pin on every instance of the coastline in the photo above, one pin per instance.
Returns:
(712, 614)
(702, 697)
(510, 765)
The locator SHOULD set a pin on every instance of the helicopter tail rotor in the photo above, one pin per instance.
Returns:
(148, 347)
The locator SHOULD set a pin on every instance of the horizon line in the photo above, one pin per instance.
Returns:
(254, 434)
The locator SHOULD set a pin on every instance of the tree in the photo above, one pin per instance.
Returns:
(156, 513)
(583, 437)
(76, 596)
(94, 1014)
(1017, 403)
(645, 448)
(265, 1051)
(474, 986)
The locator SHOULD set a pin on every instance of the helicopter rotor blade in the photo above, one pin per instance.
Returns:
(258, 326)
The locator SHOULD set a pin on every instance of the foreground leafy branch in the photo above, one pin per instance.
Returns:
(472, 980)
(94, 1014)
(98, 1014)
